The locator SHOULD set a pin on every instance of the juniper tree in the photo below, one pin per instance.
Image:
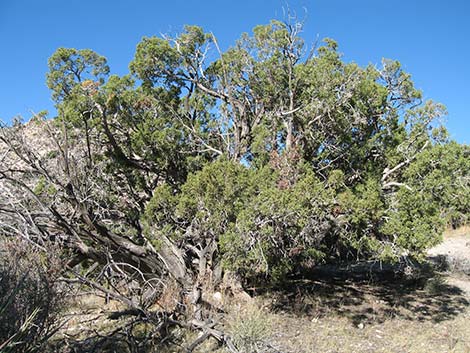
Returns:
(258, 161)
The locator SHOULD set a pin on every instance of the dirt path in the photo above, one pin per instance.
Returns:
(455, 245)
(455, 251)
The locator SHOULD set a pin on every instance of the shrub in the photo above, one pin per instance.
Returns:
(30, 297)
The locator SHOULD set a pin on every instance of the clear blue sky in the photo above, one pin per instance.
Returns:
(430, 38)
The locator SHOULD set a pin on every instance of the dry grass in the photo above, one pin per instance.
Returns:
(327, 316)
(338, 334)
(395, 315)
(250, 327)
(390, 317)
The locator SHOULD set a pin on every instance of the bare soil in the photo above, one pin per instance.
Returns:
(327, 315)
(456, 244)
(428, 315)
(454, 256)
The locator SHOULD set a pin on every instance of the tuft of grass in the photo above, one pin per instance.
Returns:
(435, 285)
(249, 327)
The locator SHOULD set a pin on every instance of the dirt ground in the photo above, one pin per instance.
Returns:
(328, 315)
(456, 244)
(394, 317)
(455, 250)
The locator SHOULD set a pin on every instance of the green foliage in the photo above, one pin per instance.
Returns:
(442, 175)
(415, 224)
(43, 188)
(279, 229)
(207, 204)
(69, 67)
(281, 160)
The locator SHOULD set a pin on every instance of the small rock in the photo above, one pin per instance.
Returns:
(217, 297)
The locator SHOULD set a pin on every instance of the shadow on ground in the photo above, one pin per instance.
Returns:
(370, 301)
(125, 338)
